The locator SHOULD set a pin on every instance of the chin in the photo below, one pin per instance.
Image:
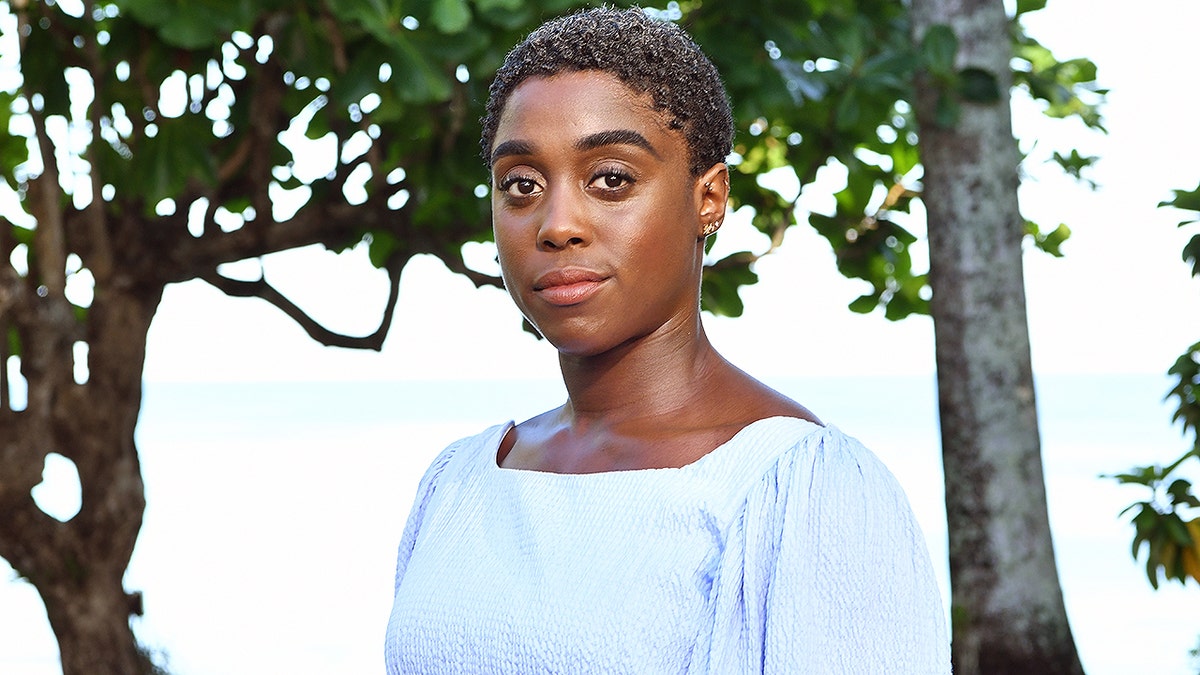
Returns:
(578, 344)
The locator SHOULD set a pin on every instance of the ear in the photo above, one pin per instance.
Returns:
(712, 196)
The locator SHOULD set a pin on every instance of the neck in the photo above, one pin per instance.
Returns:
(655, 377)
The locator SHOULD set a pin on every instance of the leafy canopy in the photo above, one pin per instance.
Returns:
(228, 129)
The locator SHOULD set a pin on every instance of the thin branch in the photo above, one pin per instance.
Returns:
(265, 109)
(101, 265)
(50, 245)
(455, 264)
(9, 288)
(336, 40)
(261, 289)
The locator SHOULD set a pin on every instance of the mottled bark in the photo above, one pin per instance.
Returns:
(1007, 608)
(77, 566)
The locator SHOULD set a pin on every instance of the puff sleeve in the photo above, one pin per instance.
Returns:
(849, 584)
(425, 491)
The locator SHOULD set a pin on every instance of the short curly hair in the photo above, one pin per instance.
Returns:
(649, 55)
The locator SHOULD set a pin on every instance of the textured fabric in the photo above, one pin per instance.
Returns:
(789, 549)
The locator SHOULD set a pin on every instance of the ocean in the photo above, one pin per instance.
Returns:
(274, 510)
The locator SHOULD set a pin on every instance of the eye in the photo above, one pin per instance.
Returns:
(611, 179)
(519, 186)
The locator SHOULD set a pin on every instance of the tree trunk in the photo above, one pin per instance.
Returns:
(90, 619)
(77, 566)
(1007, 608)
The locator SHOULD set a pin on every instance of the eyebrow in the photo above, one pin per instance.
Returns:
(615, 137)
(511, 148)
(599, 139)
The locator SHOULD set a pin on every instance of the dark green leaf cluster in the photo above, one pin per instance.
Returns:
(1169, 541)
(1174, 543)
(719, 287)
(1186, 372)
(821, 83)
(1075, 164)
(1066, 88)
(1189, 201)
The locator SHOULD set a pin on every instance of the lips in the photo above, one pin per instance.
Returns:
(568, 286)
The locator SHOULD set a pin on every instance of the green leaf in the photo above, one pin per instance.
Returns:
(1050, 242)
(848, 110)
(1184, 201)
(489, 5)
(904, 158)
(192, 24)
(1180, 492)
(382, 246)
(1026, 6)
(1176, 530)
(14, 342)
(43, 66)
(416, 79)
(720, 284)
(947, 112)
(1075, 164)
(864, 304)
(939, 46)
(451, 16)
(978, 86)
(1191, 254)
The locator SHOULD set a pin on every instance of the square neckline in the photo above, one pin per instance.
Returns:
(695, 465)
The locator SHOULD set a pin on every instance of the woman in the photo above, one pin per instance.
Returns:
(674, 515)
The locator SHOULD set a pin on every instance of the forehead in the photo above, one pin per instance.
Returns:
(574, 104)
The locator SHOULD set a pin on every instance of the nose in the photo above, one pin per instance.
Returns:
(563, 223)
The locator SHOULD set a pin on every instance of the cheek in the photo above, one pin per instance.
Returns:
(509, 252)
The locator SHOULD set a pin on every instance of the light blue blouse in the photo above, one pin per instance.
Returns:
(789, 549)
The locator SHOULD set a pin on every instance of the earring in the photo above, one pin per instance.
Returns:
(710, 228)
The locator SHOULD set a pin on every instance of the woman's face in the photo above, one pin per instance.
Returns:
(597, 219)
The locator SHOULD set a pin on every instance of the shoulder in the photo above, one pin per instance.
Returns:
(829, 500)
(844, 556)
(461, 455)
(834, 481)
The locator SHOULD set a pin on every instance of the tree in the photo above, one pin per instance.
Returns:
(1007, 608)
(147, 144)
(151, 142)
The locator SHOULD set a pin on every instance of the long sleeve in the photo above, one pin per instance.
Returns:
(852, 588)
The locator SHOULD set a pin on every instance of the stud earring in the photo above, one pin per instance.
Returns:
(710, 228)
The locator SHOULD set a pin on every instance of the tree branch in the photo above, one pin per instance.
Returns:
(10, 289)
(261, 289)
(455, 264)
(101, 265)
(50, 245)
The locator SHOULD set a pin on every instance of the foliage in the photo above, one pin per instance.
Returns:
(1168, 521)
(388, 96)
